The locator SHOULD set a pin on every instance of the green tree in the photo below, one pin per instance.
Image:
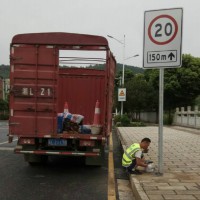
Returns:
(181, 85)
(128, 75)
(140, 95)
(197, 101)
(3, 106)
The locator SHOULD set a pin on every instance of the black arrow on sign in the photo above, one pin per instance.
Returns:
(171, 55)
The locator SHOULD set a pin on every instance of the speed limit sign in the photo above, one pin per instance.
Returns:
(162, 38)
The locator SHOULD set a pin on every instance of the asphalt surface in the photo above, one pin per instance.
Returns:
(118, 152)
(56, 180)
(61, 178)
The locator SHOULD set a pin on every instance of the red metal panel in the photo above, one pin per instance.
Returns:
(111, 76)
(27, 54)
(37, 94)
(59, 39)
(33, 86)
(81, 88)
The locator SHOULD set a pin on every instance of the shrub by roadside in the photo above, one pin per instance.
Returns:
(132, 124)
(117, 118)
(124, 121)
(4, 116)
(4, 109)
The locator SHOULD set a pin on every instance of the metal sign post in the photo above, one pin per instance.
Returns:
(160, 135)
(162, 49)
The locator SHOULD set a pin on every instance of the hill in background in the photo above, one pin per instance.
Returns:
(135, 70)
(5, 69)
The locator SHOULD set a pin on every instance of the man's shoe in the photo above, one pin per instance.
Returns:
(136, 172)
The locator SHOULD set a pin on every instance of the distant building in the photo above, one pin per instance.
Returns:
(1, 88)
(4, 88)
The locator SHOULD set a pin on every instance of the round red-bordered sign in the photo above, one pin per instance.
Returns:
(171, 38)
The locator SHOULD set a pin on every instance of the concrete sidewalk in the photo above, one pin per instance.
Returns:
(181, 163)
(3, 122)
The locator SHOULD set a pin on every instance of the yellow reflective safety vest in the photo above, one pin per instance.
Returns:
(129, 154)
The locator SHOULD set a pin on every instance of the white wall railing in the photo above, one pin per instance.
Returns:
(187, 118)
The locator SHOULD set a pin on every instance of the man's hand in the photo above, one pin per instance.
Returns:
(141, 162)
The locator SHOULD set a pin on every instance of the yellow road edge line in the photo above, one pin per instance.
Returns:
(111, 174)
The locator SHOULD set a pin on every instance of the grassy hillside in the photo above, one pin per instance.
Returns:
(5, 69)
(135, 70)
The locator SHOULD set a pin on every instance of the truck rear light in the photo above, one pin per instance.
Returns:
(26, 141)
(96, 150)
(87, 143)
(18, 147)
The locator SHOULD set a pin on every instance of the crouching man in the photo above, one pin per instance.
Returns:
(133, 156)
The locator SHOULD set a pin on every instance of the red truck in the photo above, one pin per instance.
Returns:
(40, 87)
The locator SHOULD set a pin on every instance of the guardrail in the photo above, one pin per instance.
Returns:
(187, 118)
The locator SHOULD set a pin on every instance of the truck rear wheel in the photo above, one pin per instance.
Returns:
(35, 159)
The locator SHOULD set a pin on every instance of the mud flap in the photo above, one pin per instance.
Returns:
(97, 160)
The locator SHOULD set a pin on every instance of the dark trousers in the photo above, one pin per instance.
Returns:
(132, 165)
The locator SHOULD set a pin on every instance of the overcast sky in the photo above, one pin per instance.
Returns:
(96, 17)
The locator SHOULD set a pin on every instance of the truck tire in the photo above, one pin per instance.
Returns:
(34, 160)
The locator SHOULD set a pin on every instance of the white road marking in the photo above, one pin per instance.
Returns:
(7, 142)
(4, 142)
(6, 149)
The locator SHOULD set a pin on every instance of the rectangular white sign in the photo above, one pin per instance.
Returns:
(162, 56)
(121, 94)
(162, 45)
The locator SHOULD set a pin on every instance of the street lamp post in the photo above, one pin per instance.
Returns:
(123, 43)
(123, 65)
(122, 103)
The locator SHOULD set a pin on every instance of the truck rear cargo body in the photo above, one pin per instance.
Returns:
(40, 88)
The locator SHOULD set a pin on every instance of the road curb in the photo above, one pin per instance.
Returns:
(137, 189)
(121, 140)
(135, 184)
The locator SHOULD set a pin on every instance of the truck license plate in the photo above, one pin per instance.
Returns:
(57, 142)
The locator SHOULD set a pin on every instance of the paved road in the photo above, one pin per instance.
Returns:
(4, 139)
(60, 179)
(181, 179)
